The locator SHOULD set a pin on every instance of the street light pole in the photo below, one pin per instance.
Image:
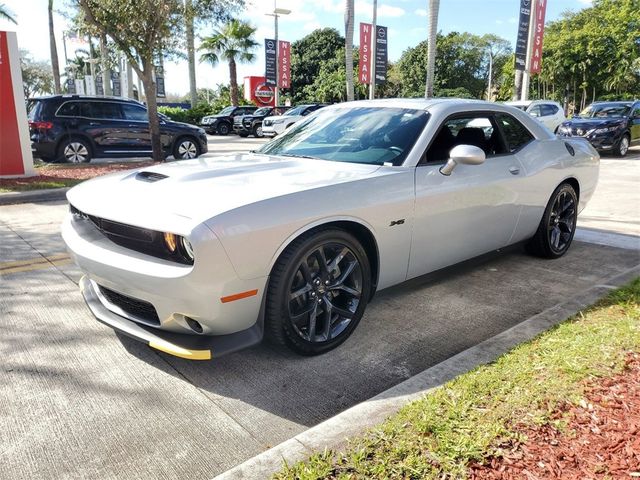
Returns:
(374, 41)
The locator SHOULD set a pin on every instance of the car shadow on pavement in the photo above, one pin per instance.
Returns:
(406, 329)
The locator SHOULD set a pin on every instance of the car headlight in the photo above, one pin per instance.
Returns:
(178, 245)
(607, 129)
(564, 130)
(277, 121)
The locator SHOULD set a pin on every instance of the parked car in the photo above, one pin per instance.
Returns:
(608, 126)
(294, 239)
(252, 124)
(549, 113)
(272, 126)
(222, 123)
(76, 128)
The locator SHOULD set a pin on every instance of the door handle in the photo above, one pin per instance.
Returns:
(514, 170)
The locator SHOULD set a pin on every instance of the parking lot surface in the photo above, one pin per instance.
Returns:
(79, 400)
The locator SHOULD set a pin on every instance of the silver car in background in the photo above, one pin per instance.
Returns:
(292, 241)
(548, 112)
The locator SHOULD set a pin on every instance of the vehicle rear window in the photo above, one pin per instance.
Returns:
(548, 110)
(516, 134)
(33, 107)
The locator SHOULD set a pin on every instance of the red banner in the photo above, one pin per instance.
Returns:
(536, 52)
(284, 64)
(365, 53)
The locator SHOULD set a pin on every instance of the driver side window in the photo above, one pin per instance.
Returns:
(477, 130)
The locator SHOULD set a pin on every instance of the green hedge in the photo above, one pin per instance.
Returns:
(192, 115)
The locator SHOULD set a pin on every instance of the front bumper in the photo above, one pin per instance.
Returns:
(601, 142)
(176, 293)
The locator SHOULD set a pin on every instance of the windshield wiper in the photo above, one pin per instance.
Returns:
(297, 156)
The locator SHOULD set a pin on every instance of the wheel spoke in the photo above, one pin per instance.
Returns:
(343, 312)
(306, 272)
(312, 322)
(301, 291)
(333, 265)
(321, 259)
(328, 312)
(555, 237)
(351, 291)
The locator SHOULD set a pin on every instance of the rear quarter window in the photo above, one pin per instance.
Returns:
(516, 134)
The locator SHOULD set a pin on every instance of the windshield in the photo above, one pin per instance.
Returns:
(227, 111)
(370, 135)
(296, 110)
(262, 111)
(615, 110)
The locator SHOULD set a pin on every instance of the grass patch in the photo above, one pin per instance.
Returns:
(471, 417)
(39, 185)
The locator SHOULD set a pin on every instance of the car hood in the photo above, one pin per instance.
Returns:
(589, 123)
(180, 195)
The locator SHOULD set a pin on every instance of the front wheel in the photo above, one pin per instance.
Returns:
(257, 131)
(185, 149)
(558, 225)
(318, 292)
(223, 129)
(622, 147)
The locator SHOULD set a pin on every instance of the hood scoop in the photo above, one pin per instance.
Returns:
(150, 177)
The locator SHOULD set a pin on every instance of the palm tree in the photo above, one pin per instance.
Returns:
(434, 6)
(233, 43)
(6, 14)
(348, 45)
(55, 66)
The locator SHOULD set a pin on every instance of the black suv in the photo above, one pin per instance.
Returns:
(608, 126)
(222, 123)
(252, 124)
(75, 128)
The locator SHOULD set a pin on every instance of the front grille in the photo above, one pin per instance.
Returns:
(268, 123)
(134, 307)
(150, 242)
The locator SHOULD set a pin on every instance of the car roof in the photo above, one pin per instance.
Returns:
(621, 102)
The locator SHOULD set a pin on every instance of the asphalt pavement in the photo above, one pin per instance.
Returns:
(79, 400)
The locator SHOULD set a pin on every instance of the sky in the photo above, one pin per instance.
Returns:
(406, 20)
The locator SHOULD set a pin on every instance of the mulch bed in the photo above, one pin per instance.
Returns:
(601, 439)
(58, 172)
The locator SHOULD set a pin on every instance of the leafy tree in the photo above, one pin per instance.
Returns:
(37, 77)
(233, 43)
(141, 31)
(6, 14)
(307, 57)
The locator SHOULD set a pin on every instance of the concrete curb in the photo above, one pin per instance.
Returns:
(332, 433)
(33, 196)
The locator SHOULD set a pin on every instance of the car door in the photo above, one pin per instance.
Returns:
(105, 125)
(476, 208)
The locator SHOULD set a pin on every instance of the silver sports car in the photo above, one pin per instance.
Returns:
(203, 257)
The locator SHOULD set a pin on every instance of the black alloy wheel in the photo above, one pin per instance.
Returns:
(622, 147)
(558, 225)
(318, 292)
(223, 129)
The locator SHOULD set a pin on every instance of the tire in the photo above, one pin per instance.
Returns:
(558, 225)
(257, 131)
(303, 297)
(622, 147)
(186, 148)
(74, 150)
(223, 129)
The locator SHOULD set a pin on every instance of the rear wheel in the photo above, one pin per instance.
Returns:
(558, 225)
(257, 131)
(75, 150)
(622, 147)
(318, 292)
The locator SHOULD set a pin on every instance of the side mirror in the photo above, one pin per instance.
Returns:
(465, 155)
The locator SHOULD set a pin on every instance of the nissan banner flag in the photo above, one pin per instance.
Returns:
(381, 54)
(284, 64)
(270, 61)
(523, 34)
(536, 55)
(365, 52)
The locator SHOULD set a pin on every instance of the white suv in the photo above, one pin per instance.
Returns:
(549, 113)
(272, 126)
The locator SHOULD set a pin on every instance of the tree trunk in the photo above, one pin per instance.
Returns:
(233, 78)
(348, 46)
(434, 6)
(55, 66)
(152, 109)
(191, 55)
(106, 71)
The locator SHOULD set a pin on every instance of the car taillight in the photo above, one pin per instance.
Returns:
(41, 125)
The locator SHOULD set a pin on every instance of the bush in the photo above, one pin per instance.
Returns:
(192, 115)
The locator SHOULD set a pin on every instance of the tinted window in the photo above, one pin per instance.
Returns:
(71, 109)
(476, 130)
(356, 135)
(134, 112)
(297, 110)
(33, 106)
(515, 133)
(105, 110)
(548, 110)
(535, 111)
